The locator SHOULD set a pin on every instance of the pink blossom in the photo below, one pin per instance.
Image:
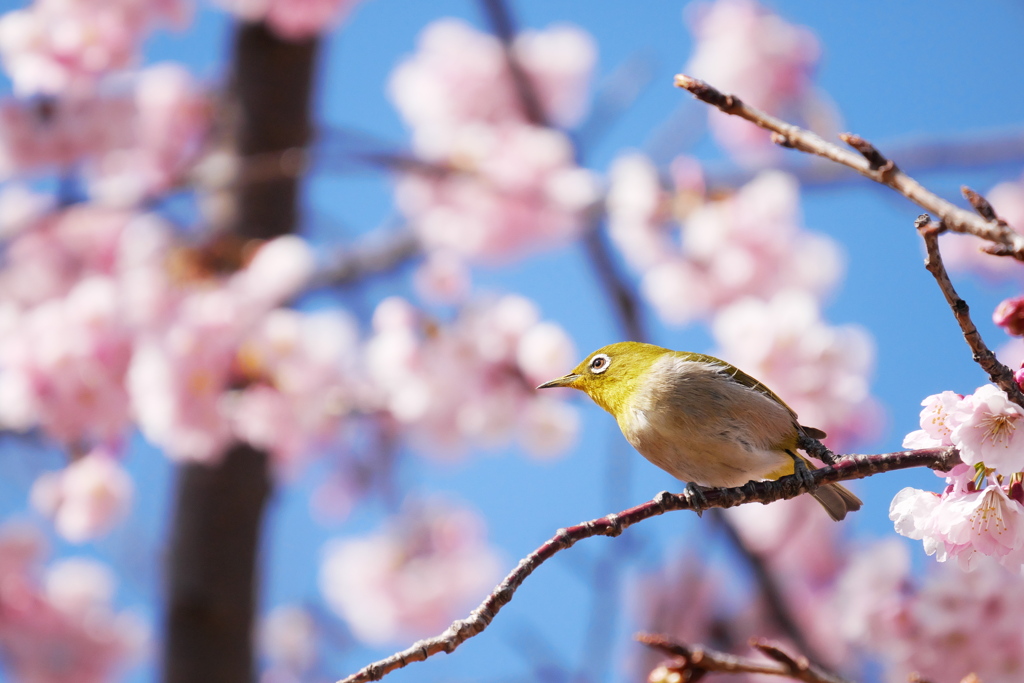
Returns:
(48, 261)
(821, 371)
(170, 118)
(288, 636)
(742, 48)
(471, 381)
(413, 577)
(962, 524)
(501, 184)
(87, 498)
(637, 208)
(459, 77)
(869, 596)
(747, 244)
(59, 47)
(66, 361)
(1009, 315)
(304, 368)
(293, 19)
(937, 422)
(804, 551)
(66, 628)
(177, 379)
(517, 188)
(442, 278)
(943, 627)
(990, 429)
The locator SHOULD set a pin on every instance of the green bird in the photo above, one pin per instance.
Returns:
(699, 418)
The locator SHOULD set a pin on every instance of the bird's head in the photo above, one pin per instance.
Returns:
(612, 374)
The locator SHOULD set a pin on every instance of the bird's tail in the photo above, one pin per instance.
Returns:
(837, 500)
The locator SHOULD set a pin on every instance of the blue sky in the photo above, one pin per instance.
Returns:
(898, 72)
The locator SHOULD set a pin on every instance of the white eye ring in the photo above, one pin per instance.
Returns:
(599, 363)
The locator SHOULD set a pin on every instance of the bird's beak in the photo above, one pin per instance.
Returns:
(566, 381)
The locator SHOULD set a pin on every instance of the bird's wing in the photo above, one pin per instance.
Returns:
(746, 380)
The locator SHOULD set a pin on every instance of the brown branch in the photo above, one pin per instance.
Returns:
(847, 468)
(1000, 375)
(694, 661)
(379, 253)
(867, 161)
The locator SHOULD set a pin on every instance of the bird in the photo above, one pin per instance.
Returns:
(699, 418)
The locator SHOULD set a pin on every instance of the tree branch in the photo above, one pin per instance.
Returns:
(867, 161)
(1000, 375)
(694, 661)
(846, 468)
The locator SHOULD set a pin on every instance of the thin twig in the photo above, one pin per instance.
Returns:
(847, 468)
(1000, 375)
(867, 161)
(694, 661)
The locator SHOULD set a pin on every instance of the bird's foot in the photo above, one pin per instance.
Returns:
(817, 449)
(803, 475)
(694, 495)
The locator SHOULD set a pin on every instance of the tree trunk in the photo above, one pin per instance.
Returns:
(212, 577)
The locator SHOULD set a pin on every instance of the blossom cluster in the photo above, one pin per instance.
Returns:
(132, 140)
(943, 628)
(981, 510)
(59, 623)
(472, 380)
(292, 19)
(743, 48)
(496, 182)
(410, 578)
(65, 47)
(697, 255)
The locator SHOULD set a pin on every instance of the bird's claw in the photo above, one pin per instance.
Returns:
(694, 495)
(817, 449)
(803, 475)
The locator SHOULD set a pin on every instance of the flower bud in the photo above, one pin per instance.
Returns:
(1009, 315)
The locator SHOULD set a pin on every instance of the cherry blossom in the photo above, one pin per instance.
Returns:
(87, 498)
(288, 637)
(963, 523)
(59, 47)
(64, 626)
(742, 48)
(517, 188)
(459, 77)
(293, 19)
(821, 371)
(990, 429)
(303, 368)
(472, 380)
(1009, 315)
(937, 422)
(131, 144)
(498, 184)
(944, 627)
(411, 578)
(171, 115)
(750, 243)
(63, 362)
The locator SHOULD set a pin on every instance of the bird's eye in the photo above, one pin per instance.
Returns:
(599, 363)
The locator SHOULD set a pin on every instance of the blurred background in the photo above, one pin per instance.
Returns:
(358, 295)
